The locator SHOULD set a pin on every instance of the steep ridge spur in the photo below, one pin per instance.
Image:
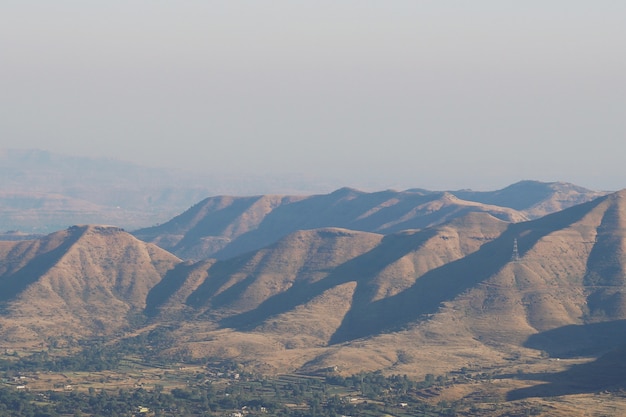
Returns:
(79, 282)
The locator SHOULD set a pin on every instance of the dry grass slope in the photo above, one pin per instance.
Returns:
(80, 282)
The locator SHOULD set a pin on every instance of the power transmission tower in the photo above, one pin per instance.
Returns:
(515, 256)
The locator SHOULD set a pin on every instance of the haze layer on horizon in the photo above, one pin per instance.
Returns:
(375, 94)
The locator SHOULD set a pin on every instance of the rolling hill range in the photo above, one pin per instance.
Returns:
(223, 227)
(414, 301)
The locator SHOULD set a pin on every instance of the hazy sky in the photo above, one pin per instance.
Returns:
(407, 93)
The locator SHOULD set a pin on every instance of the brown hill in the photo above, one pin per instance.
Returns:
(224, 227)
(428, 300)
(296, 297)
(80, 282)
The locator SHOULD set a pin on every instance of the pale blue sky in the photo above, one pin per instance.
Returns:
(376, 94)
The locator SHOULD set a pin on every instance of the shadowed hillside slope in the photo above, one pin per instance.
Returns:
(608, 372)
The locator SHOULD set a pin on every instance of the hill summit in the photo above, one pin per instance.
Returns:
(80, 282)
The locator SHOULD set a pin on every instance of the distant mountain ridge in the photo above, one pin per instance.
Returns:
(227, 226)
(42, 192)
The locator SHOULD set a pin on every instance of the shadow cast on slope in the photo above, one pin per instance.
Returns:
(173, 281)
(579, 340)
(215, 223)
(218, 274)
(450, 280)
(605, 373)
(386, 219)
(343, 208)
(14, 284)
(367, 318)
(359, 269)
(605, 275)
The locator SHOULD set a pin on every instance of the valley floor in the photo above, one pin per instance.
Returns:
(134, 387)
